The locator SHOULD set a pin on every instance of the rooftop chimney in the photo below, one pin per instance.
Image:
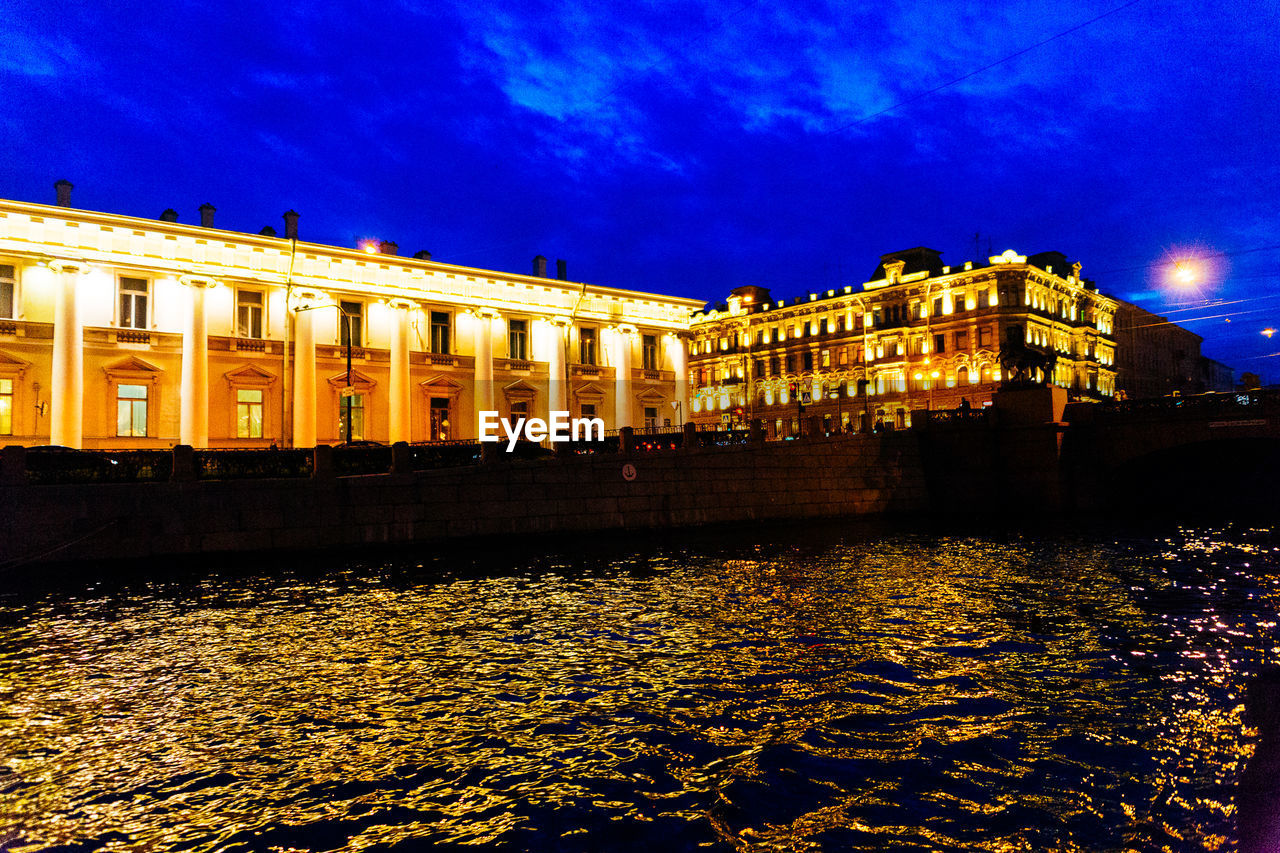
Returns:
(268, 231)
(206, 215)
(64, 188)
(562, 270)
(389, 247)
(540, 266)
(170, 215)
(291, 224)
(422, 255)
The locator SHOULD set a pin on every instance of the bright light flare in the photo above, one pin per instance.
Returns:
(1268, 332)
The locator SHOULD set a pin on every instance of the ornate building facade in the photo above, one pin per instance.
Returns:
(917, 335)
(120, 332)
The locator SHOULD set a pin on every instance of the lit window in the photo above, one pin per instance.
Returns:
(133, 304)
(249, 413)
(350, 323)
(249, 313)
(351, 407)
(439, 425)
(6, 407)
(6, 291)
(131, 410)
(518, 339)
(440, 332)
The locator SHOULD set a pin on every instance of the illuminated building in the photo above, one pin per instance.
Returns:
(120, 332)
(917, 335)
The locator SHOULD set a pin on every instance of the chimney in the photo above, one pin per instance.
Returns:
(170, 215)
(291, 224)
(268, 231)
(562, 270)
(540, 266)
(422, 255)
(64, 188)
(389, 247)
(206, 215)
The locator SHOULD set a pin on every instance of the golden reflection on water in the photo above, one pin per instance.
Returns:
(910, 692)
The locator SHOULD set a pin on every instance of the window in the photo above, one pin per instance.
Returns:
(440, 332)
(6, 407)
(518, 339)
(131, 410)
(439, 426)
(649, 351)
(588, 410)
(808, 360)
(826, 358)
(353, 406)
(350, 326)
(650, 417)
(133, 304)
(937, 306)
(586, 346)
(249, 412)
(939, 343)
(984, 298)
(249, 313)
(774, 369)
(984, 337)
(6, 291)
(520, 409)
(962, 341)
(760, 367)
(822, 326)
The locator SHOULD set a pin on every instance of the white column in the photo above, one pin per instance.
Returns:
(401, 418)
(194, 422)
(65, 421)
(304, 378)
(622, 402)
(558, 384)
(484, 362)
(680, 367)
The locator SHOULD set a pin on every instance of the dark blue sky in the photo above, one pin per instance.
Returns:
(685, 147)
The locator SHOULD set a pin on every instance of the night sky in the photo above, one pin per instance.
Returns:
(686, 147)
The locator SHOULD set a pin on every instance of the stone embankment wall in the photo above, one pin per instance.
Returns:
(810, 478)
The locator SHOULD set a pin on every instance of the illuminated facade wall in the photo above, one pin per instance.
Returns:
(121, 332)
(918, 334)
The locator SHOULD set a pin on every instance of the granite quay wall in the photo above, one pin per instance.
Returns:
(809, 478)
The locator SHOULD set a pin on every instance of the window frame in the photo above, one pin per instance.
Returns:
(588, 346)
(134, 295)
(523, 350)
(345, 327)
(261, 309)
(442, 343)
(132, 403)
(11, 281)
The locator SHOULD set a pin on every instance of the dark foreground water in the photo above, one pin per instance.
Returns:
(846, 689)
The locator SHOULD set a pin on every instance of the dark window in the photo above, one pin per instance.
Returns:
(6, 291)
(939, 343)
(649, 351)
(586, 346)
(650, 417)
(350, 331)
(808, 360)
(440, 332)
(962, 341)
(133, 303)
(822, 326)
(249, 313)
(588, 410)
(518, 340)
(937, 306)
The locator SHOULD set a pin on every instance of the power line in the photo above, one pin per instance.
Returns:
(978, 71)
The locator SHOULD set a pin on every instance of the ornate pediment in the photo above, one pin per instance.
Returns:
(133, 370)
(520, 391)
(250, 375)
(441, 386)
(12, 367)
(359, 380)
(589, 391)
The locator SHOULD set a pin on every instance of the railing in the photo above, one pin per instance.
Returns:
(425, 456)
(54, 465)
(1206, 404)
(251, 464)
(133, 336)
(953, 416)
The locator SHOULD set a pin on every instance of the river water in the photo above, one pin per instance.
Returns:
(817, 687)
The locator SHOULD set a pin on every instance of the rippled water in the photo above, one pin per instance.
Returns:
(842, 690)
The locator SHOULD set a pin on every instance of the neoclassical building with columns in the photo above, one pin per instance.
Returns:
(122, 332)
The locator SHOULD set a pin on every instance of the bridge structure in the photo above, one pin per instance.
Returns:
(1035, 450)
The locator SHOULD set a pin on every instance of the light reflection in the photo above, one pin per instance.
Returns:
(897, 693)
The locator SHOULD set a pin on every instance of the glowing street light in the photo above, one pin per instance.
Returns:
(1184, 273)
(1268, 332)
